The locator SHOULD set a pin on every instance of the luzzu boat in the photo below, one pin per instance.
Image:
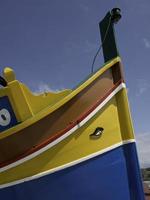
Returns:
(72, 145)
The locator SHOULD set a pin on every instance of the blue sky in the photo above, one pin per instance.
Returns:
(51, 44)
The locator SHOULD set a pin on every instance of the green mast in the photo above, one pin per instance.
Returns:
(107, 34)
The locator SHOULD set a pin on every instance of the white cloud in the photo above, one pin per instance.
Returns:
(80, 48)
(146, 43)
(143, 147)
(142, 86)
(44, 87)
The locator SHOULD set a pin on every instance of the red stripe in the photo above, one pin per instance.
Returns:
(62, 132)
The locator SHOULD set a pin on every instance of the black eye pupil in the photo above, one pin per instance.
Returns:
(3, 117)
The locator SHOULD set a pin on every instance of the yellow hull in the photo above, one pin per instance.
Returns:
(79, 145)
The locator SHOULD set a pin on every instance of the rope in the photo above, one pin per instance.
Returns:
(94, 59)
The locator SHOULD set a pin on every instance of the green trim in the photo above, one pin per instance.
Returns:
(106, 26)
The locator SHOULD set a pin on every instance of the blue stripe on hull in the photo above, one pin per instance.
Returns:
(110, 176)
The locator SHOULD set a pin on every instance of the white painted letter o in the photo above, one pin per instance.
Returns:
(5, 120)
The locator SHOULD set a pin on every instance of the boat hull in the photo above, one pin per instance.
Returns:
(56, 122)
(112, 175)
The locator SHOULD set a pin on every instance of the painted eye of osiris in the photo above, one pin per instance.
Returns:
(5, 117)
